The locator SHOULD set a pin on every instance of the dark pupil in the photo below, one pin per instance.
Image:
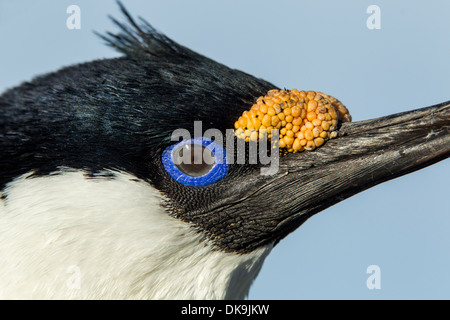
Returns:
(194, 160)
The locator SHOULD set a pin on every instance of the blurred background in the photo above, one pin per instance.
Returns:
(403, 225)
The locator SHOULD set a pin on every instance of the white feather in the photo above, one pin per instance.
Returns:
(66, 236)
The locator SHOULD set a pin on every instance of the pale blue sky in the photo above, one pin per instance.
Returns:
(403, 225)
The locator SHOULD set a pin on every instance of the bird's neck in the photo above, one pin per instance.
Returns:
(66, 236)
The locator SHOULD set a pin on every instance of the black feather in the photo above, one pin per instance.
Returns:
(118, 113)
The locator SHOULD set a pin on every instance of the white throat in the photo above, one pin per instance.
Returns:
(69, 237)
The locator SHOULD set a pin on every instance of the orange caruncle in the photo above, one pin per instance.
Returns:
(306, 119)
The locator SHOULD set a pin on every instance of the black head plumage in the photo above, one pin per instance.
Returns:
(118, 113)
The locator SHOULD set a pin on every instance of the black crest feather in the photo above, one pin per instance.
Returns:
(142, 41)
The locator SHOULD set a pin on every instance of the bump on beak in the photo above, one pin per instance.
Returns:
(306, 119)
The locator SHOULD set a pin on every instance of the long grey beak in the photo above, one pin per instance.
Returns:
(365, 154)
(374, 151)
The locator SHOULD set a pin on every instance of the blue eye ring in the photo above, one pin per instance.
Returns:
(217, 172)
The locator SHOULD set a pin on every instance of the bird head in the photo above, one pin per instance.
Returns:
(246, 209)
(136, 114)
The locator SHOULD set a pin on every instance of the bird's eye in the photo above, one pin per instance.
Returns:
(195, 162)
